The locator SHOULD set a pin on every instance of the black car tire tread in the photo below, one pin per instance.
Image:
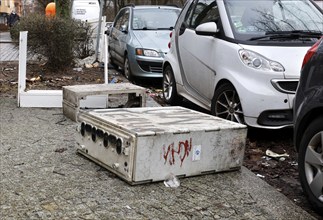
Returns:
(313, 128)
(129, 75)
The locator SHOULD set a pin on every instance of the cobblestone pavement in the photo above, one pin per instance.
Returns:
(42, 177)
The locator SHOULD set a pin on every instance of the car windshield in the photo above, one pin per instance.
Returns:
(154, 18)
(274, 19)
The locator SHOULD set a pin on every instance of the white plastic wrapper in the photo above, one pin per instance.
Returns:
(171, 181)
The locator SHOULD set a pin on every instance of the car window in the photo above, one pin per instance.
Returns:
(118, 20)
(251, 18)
(154, 18)
(205, 11)
(189, 17)
(124, 21)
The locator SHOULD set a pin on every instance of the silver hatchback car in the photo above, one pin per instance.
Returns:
(139, 37)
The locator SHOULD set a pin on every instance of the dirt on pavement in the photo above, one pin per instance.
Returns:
(281, 172)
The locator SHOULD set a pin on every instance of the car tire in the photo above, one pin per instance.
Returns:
(310, 163)
(226, 104)
(127, 70)
(169, 87)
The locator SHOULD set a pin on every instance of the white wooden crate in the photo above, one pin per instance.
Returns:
(77, 96)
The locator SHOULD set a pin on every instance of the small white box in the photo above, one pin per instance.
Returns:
(95, 96)
(147, 144)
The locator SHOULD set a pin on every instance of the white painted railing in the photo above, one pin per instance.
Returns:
(54, 98)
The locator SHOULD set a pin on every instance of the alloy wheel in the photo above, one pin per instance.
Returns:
(313, 165)
(228, 105)
(168, 84)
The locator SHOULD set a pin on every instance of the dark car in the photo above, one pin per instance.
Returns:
(308, 127)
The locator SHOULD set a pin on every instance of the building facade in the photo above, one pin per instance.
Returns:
(6, 7)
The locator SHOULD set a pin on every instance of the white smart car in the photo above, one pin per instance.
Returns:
(241, 59)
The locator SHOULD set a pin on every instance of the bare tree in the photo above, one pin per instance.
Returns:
(63, 8)
(41, 5)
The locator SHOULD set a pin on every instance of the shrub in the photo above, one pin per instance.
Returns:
(58, 39)
(84, 43)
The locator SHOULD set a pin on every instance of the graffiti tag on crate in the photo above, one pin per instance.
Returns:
(177, 152)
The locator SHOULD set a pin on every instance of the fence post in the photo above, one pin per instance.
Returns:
(106, 59)
(22, 63)
(99, 32)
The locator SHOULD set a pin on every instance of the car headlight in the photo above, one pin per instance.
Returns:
(147, 52)
(256, 61)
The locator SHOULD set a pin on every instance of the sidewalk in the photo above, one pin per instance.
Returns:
(5, 37)
(9, 51)
(42, 177)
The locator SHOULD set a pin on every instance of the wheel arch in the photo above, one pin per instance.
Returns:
(231, 108)
(306, 120)
(221, 82)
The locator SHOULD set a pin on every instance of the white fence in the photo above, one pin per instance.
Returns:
(54, 98)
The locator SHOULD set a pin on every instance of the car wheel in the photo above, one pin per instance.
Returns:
(169, 87)
(226, 104)
(310, 163)
(127, 70)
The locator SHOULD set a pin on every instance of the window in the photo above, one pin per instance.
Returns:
(117, 23)
(124, 20)
(154, 18)
(205, 11)
(253, 18)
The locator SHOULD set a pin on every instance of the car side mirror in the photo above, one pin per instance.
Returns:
(207, 29)
(124, 29)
